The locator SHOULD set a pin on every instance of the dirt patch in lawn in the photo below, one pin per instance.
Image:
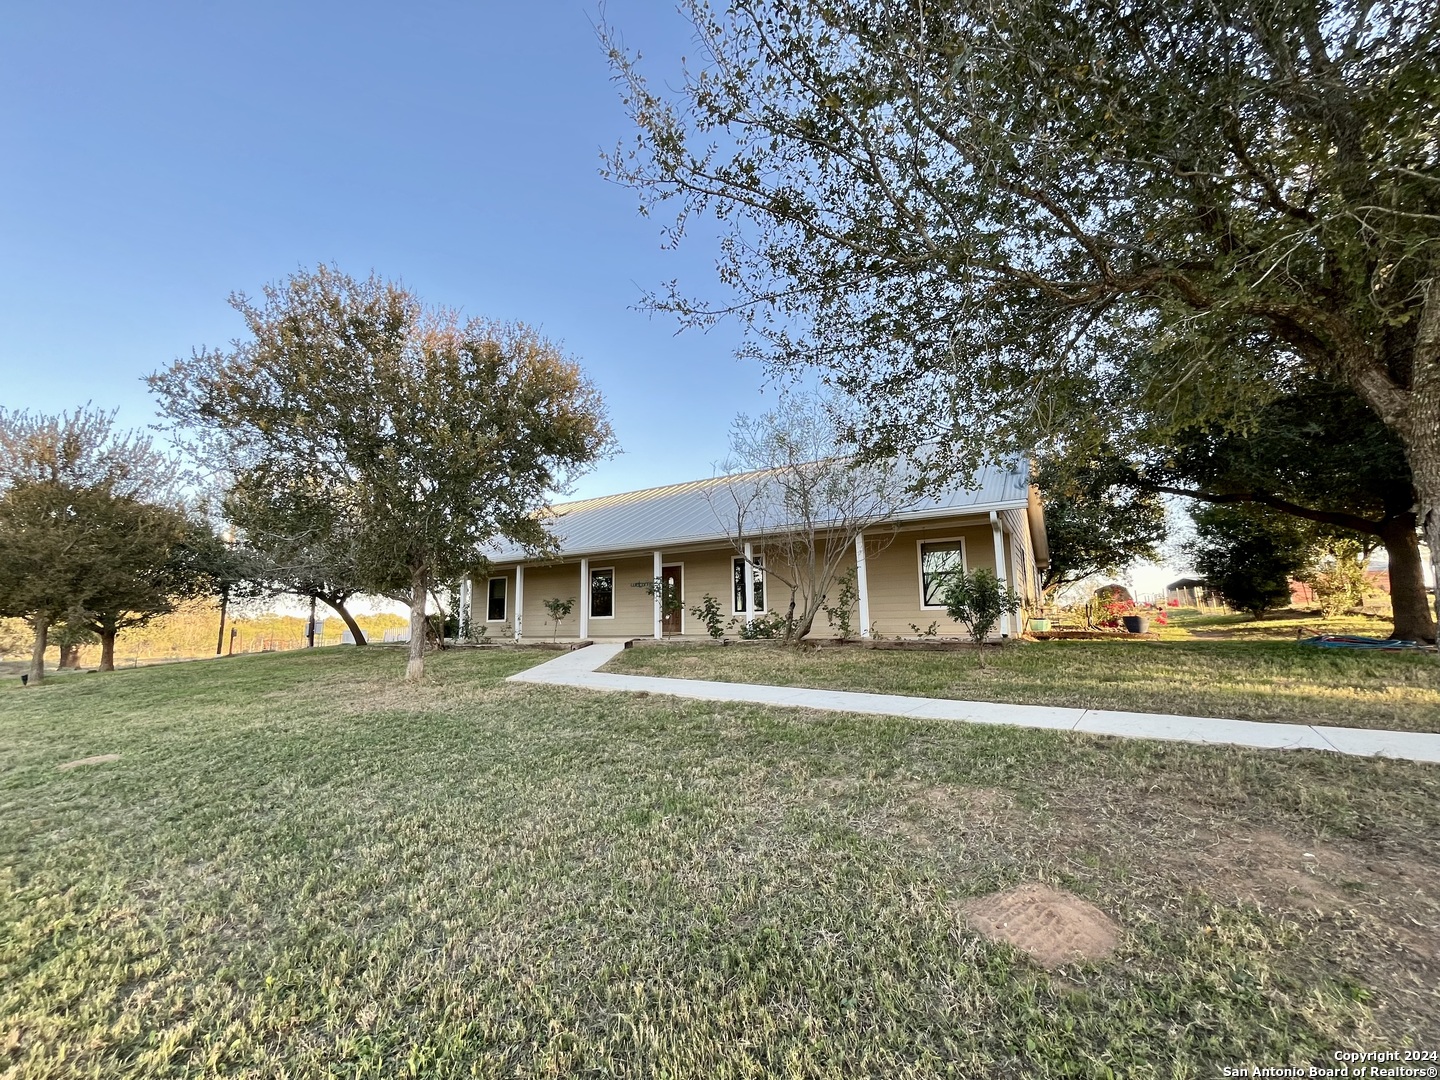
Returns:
(1054, 927)
(98, 759)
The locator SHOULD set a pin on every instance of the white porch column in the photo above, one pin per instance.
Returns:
(466, 612)
(519, 602)
(749, 584)
(998, 532)
(658, 585)
(584, 599)
(862, 585)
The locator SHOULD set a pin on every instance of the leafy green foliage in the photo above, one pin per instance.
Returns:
(1338, 578)
(762, 627)
(977, 600)
(991, 221)
(1317, 452)
(711, 616)
(390, 433)
(841, 613)
(557, 610)
(1097, 519)
(1249, 557)
(89, 525)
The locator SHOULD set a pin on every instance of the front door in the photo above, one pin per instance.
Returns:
(674, 621)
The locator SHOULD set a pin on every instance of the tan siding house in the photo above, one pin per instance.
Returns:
(612, 546)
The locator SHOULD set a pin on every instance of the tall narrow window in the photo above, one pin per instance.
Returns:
(602, 594)
(738, 592)
(495, 607)
(938, 560)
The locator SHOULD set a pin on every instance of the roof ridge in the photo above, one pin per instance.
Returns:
(679, 485)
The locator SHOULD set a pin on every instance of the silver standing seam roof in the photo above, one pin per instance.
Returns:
(680, 514)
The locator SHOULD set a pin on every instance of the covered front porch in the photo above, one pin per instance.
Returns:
(613, 596)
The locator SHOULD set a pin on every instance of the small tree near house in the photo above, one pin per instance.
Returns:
(796, 485)
(977, 600)
(557, 610)
(670, 601)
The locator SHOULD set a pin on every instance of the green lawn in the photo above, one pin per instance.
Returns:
(1242, 679)
(298, 867)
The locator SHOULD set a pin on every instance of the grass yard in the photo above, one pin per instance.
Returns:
(1244, 679)
(298, 867)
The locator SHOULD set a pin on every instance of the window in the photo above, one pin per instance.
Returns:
(738, 593)
(495, 609)
(938, 560)
(602, 594)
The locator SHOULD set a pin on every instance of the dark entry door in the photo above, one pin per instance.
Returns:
(674, 622)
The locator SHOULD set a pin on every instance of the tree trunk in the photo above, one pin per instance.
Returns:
(107, 649)
(37, 654)
(350, 624)
(419, 589)
(1413, 618)
(1428, 488)
(1421, 427)
(69, 657)
(224, 604)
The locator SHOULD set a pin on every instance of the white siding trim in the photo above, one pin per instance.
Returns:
(519, 620)
(862, 584)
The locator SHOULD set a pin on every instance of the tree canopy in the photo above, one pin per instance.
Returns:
(426, 435)
(1315, 453)
(88, 523)
(1098, 519)
(1249, 556)
(976, 216)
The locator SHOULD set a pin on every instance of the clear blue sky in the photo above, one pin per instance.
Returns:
(157, 157)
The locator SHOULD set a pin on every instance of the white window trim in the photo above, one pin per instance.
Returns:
(920, 564)
(681, 565)
(759, 579)
(504, 617)
(613, 598)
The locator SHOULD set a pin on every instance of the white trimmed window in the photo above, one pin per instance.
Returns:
(737, 594)
(939, 559)
(602, 593)
(495, 600)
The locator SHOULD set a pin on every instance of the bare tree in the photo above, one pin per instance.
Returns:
(794, 489)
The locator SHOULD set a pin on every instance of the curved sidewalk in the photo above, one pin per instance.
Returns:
(579, 668)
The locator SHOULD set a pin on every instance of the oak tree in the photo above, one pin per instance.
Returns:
(429, 436)
(959, 210)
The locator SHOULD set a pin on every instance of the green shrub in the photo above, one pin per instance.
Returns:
(977, 601)
(710, 615)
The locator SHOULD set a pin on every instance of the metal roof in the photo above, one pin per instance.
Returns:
(689, 513)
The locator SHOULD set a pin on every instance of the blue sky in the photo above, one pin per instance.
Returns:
(157, 157)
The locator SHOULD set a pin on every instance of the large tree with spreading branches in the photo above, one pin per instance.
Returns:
(971, 215)
(428, 436)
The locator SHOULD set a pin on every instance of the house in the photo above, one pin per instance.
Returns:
(677, 533)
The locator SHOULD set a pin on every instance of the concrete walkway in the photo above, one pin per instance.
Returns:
(579, 668)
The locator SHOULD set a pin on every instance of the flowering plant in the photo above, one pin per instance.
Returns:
(1113, 611)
